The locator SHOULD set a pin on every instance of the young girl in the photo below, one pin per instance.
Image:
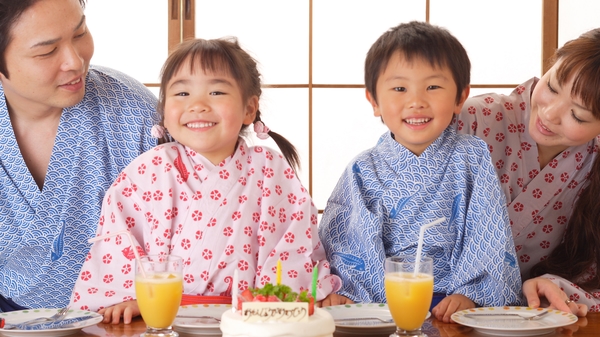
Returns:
(206, 196)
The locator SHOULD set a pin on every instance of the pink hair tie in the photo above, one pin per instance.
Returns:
(158, 131)
(262, 131)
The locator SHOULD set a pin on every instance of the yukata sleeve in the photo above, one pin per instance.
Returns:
(287, 232)
(107, 276)
(351, 232)
(576, 293)
(486, 270)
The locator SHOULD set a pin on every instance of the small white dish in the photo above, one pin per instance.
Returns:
(513, 325)
(15, 317)
(200, 326)
(361, 327)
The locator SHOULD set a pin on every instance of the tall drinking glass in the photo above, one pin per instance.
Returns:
(408, 293)
(158, 288)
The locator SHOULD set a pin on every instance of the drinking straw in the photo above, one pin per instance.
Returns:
(314, 281)
(135, 252)
(420, 244)
(278, 272)
(234, 290)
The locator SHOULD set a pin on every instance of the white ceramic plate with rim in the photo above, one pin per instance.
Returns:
(511, 325)
(200, 326)
(14, 317)
(367, 326)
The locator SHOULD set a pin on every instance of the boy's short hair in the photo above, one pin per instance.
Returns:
(418, 40)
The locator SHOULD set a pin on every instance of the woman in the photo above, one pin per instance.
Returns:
(543, 139)
(67, 130)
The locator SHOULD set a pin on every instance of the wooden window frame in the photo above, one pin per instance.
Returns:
(182, 26)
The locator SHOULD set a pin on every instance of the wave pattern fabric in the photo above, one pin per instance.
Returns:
(387, 193)
(539, 201)
(244, 214)
(43, 234)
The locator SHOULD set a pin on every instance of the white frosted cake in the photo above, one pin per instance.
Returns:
(276, 311)
(320, 324)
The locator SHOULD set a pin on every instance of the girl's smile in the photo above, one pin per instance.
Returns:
(205, 111)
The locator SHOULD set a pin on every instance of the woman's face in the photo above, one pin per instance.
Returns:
(557, 119)
(48, 57)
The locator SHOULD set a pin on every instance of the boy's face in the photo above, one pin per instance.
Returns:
(416, 101)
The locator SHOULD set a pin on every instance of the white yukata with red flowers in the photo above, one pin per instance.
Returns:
(539, 202)
(246, 213)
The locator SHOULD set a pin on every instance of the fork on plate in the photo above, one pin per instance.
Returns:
(339, 320)
(523, 316)
(58, 316)
(205, 317)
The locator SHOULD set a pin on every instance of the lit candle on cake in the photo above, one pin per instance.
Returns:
(314, 282)
(278, 272)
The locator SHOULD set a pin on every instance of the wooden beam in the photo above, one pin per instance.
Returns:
(549, 32)
(174, 26)
(189, 19)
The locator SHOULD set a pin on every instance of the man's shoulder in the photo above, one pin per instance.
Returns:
(105, 80)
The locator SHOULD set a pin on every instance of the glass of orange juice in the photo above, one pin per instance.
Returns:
(158, 289)
(408, 293)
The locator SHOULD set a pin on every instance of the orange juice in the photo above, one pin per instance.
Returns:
(158, 298)
(409, 298)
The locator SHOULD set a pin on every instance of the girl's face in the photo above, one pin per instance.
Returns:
(206, 111)
(48, 57)
(558, 120)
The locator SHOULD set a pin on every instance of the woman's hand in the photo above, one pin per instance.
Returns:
(449, 305)
(127, 310)
(334, 299)
(539, 287)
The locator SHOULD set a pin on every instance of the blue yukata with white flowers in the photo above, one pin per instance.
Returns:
(387, 193)
(44, 233)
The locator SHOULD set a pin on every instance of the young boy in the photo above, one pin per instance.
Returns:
(417, 77)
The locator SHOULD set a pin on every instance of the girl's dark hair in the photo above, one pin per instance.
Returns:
(222, 55)
(576, 256)
(10, 12)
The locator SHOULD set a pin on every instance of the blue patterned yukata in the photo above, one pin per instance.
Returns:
(387, 193)
(43, 234)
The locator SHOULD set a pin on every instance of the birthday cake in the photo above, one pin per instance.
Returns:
(276, 311)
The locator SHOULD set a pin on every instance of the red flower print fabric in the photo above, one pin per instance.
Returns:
(539, 201)
(246, 213)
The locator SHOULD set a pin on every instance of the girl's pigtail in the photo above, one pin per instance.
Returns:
(287, 149)
(161, 133)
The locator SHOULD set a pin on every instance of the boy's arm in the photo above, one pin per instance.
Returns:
(351, 235)
(487, 270)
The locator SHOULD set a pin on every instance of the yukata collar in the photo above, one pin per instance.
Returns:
(433, 148)
(197, 158)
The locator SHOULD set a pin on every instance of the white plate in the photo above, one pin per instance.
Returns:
(200, 326)
(514, 326)
(24, 315)
(380, 310)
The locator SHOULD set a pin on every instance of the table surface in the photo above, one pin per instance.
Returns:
(585, 327)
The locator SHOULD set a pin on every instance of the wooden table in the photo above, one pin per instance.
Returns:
(586, 327)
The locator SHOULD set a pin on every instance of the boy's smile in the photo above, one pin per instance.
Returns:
(416, 101)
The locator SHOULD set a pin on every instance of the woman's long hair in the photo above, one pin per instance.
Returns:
(577, 257)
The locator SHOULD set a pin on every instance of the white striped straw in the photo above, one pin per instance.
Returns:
(128, 233)
(420, 244)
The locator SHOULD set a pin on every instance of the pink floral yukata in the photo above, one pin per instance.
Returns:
(539, 203)
(245, 213)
